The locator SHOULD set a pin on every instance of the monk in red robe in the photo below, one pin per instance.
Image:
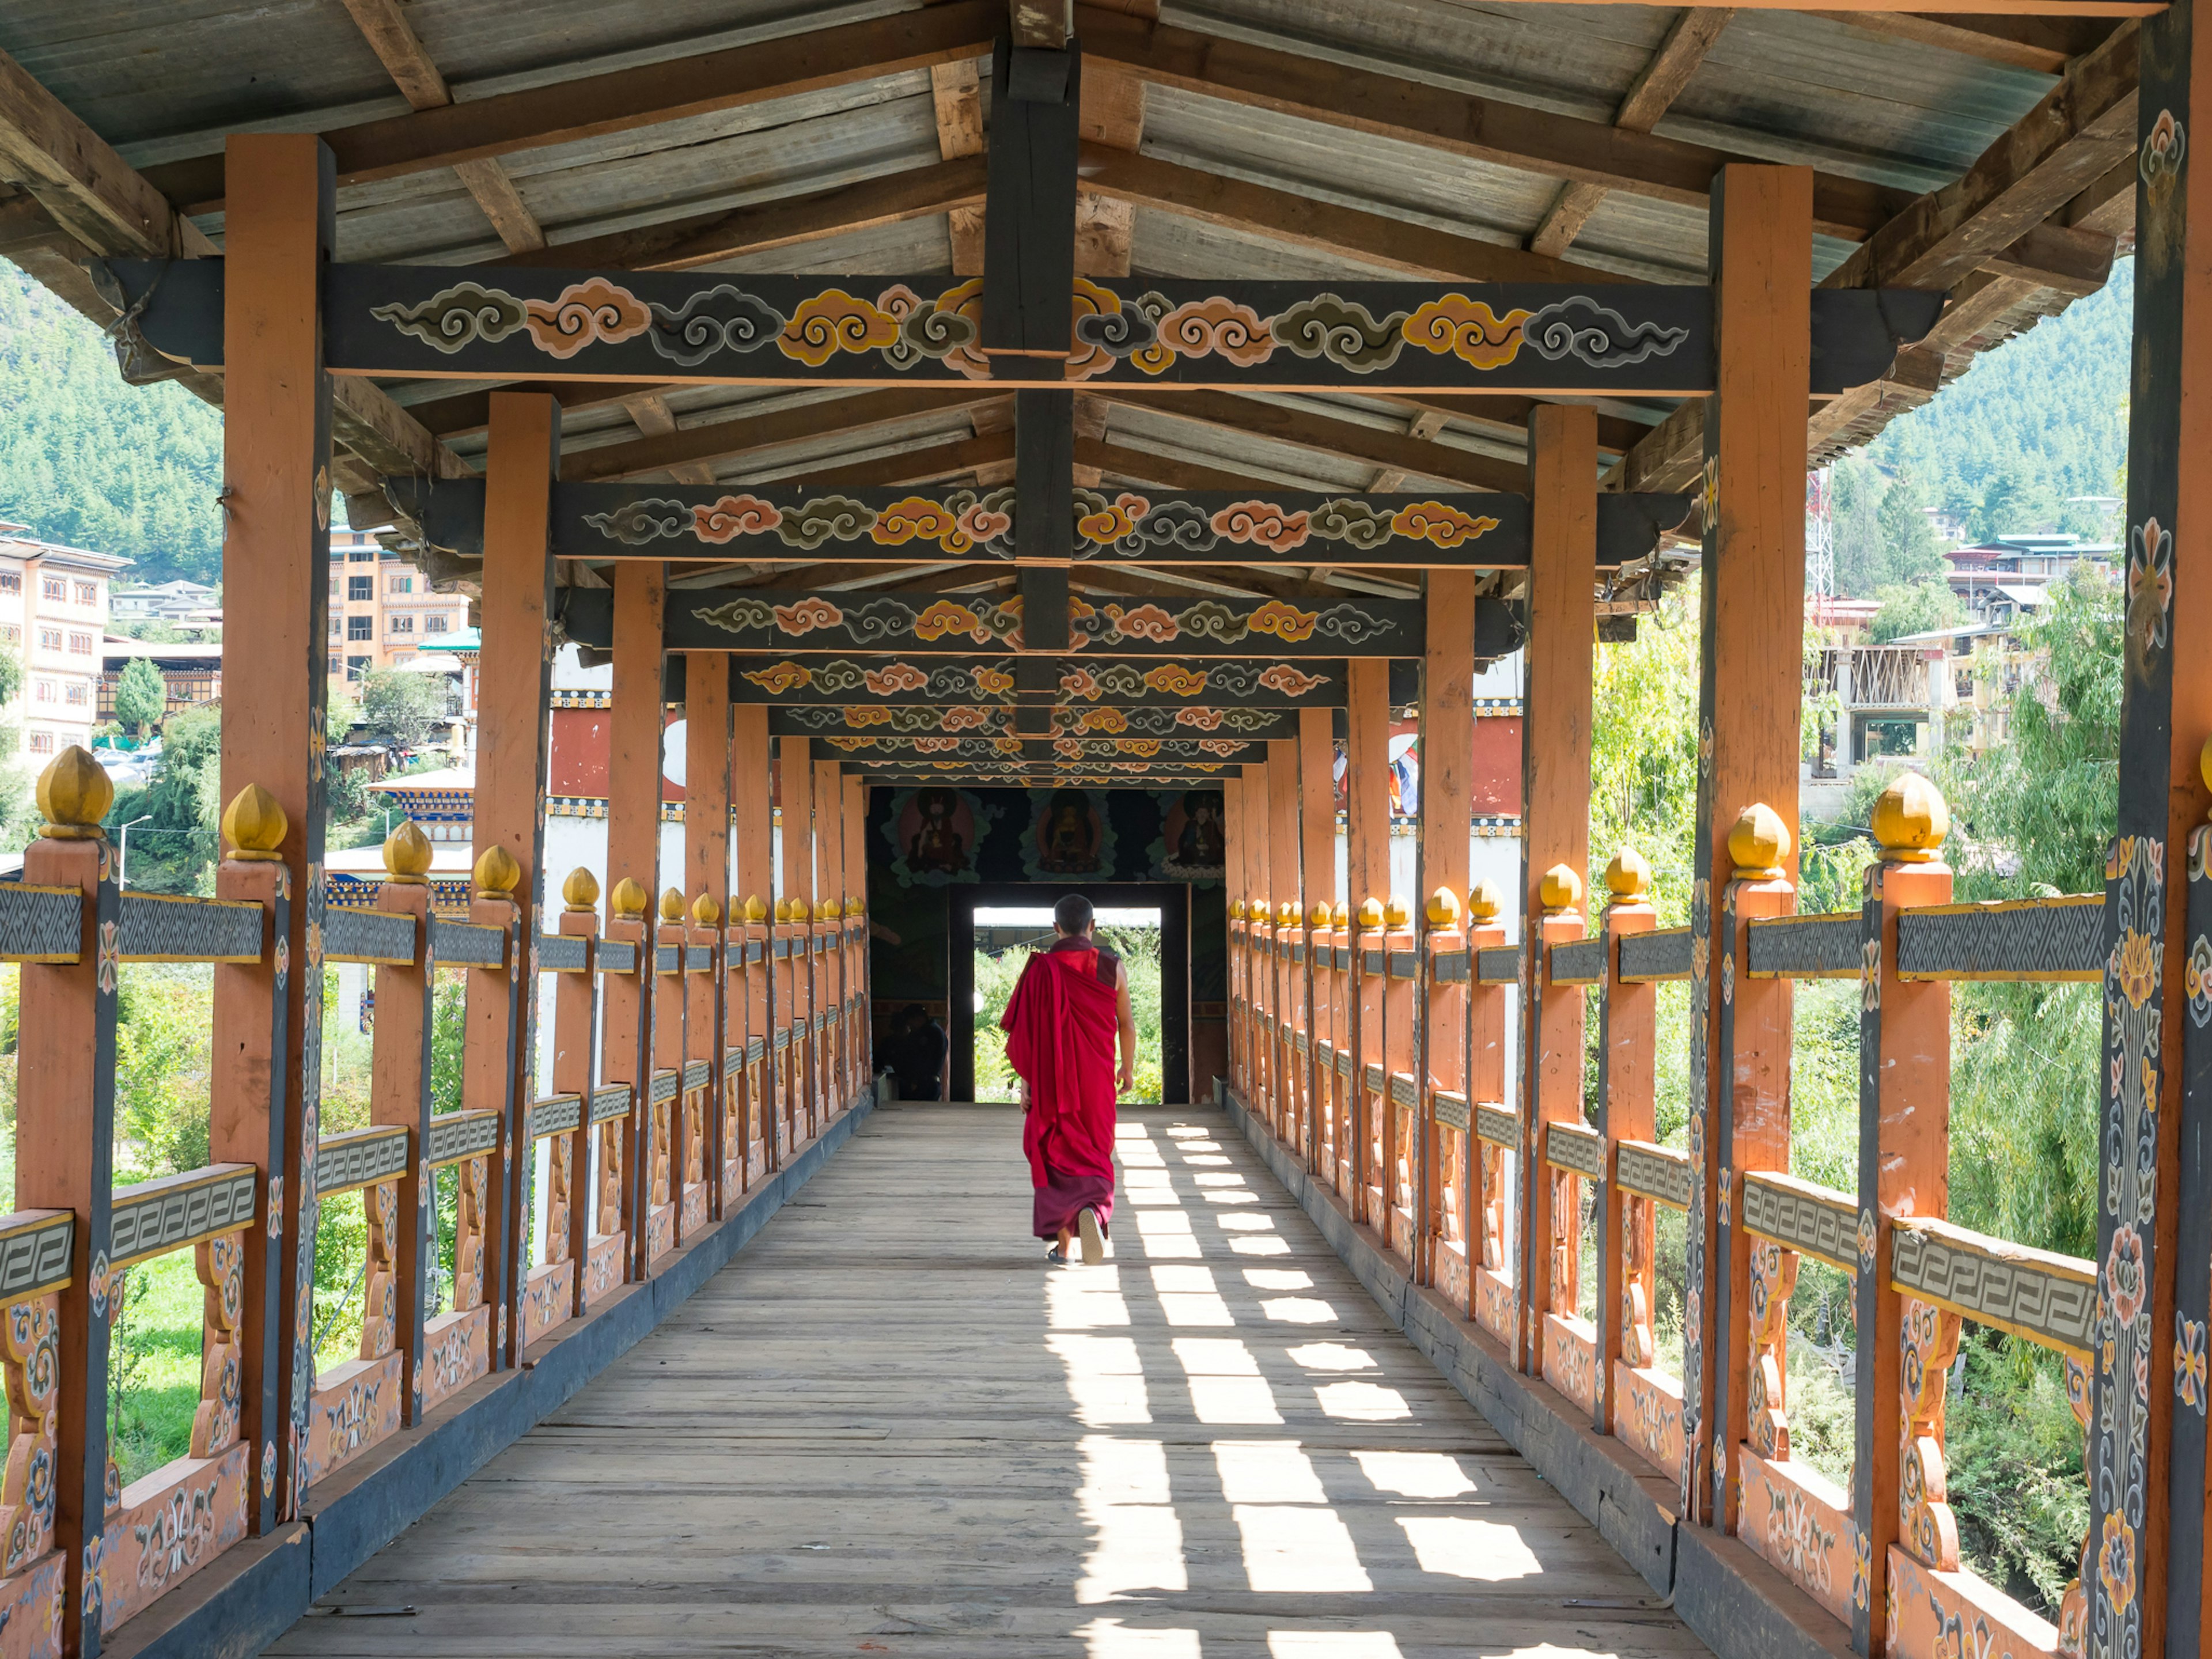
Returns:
(1069, 1006)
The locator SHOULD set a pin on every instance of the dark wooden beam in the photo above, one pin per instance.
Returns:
(622, 100)
(1486, 130)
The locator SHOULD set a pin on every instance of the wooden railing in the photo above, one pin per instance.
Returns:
(644, 1154)
(1396, 1096)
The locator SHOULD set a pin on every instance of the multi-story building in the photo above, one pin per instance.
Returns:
(382, 610)
(53, 615)
(191, 674)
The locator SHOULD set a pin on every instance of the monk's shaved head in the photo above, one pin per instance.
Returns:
(1072, 915)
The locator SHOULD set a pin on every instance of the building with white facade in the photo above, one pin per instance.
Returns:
(53, 615)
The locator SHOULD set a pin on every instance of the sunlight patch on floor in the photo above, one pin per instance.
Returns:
(1331, 1644)
(1414, 1474)
(1267, 1472)
(1107, 1639)
(1137, 1537)
(1456, 1547)
(1362, 1402)
(1167, 1233)
(1298, 1310)
(1105, 1378)
(1298, 1550)
(1187, 1297)
(1333, 1356)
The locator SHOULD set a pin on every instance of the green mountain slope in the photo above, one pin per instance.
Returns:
(89, 461)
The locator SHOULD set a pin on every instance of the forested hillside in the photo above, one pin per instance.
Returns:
(2041, 418)
(87, 460)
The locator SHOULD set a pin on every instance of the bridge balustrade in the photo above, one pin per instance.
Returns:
(1433, 1167)
(653, 1130)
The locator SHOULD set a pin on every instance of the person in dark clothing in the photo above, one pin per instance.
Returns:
(917, 1055)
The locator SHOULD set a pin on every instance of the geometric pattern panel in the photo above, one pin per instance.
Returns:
(39, 924)
(359, 1158)
(1662, 955)
(1573, 1146)
(457, 1135)
(153, 927)
(664, 1087)
(1372, 962)
(733, 1060)
(698, 958)
(2051, 938)
(668, 959)
(555, 1115)
(1497, 1125)
(563, 953)
(155, 1216)
(1581, 962)
(368, 936)
(35, 1253)
(697, 1075)
(1655, 1172)
(2047, 1298)
(1375, 1078)
(617, 957)
(460, 944)
(1801, 1216)
(1497, 964)
(1825, 946)
(613, 1101)
(1451, 1110)
(1449, 967)
(1401, 1091)
(1404, 964)
(755, 1048)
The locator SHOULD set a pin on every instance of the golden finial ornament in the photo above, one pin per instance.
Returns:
(1561, 890)
(1340, 916)
(1443, 908)
(671, 904)
(1759, 843)
(1237, 909)
(1483, 903)
(580, 892)
(497, 874)
(75, 792)
(254, 824)
(1396, 912)
(1911, 820)
(755, 910)
(406, 855)
(782, 911)
(629, 898)
(1288, 915)
(827, 910)
(1628, 878)
(1318, 916)
(1370, 911)
(705, 912)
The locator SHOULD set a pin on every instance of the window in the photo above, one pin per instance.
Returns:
(399, 584)
(357, 668)
(360, 556)
(402, 624)
(42, 743)
(88, 592)
(74, 693)
(50, 639)
(360, 589)
(45, 691)
(337, 626)
(10, 633)
(11, 581)
(53, 587)
(436, 623)
(360, 627)
(80, 645)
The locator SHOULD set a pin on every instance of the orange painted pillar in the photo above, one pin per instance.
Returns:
(1447, 818)
(1317, 854)
(795, 791)
(828, 929)
(1259, 916)
(1235, 887)
(1626, 1091)
(1283, 845)
(276, 515)
(1555, 773)
(859, 1014)
(513, 694)
(1367, 877)
(399, 1085)
(1752, 619)
(65, 1157)
(634, 854)
(707, 876)
(575, 1072)
(753, 825)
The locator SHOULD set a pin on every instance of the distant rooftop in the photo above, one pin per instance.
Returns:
(16, 541)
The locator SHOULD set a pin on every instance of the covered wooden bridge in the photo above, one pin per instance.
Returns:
(972, 398)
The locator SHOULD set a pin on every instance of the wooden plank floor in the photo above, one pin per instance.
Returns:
(888, 1427)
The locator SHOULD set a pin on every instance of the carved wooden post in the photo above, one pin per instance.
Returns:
(1317, 854)
(496, 999)
(1627, 1037)
(702, 1045)
(575, 1072)
(633, 774)
(1753, 1120)
(1447, 813)
(624, 1059)
(1283, 875)
(276, 511)
(399, 1091)
(1367, 876)
(754, 829)
(707, 755)
(1904, 1166)
(829, 915)
(1491, 1294)
(1443, 1063)
(1235, 886)
(795, 790)
(1370, 962)
(2158, 982)
(669, 1119)
(64, 1156)
(1551, 1070)
(2191, 1488)
(1395, 1101)
(1750, 690)
(860, 1017)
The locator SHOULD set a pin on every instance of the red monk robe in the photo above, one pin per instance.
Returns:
(1060, 1025)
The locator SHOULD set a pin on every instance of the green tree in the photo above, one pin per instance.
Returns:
(142, 697)
(403, 708)
(184, 802)
(11, 675)
(1909, 552)
(1855, 514)
(1915, 608)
